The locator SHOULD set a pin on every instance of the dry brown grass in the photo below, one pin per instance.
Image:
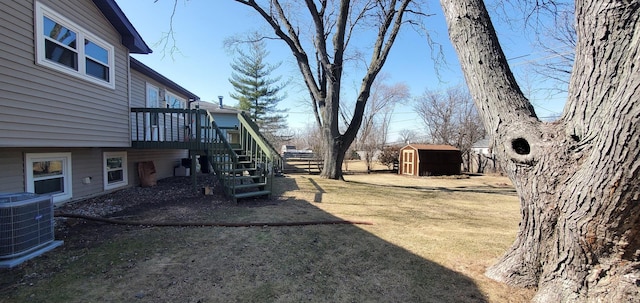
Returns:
(431, 241)
(358, 166)
(461, 223)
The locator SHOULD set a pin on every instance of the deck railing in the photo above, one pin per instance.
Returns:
(166, 127)
(249, 130)
(248, 164)
(223, 158)
(257, 148)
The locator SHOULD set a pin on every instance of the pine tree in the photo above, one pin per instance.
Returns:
(257, 92)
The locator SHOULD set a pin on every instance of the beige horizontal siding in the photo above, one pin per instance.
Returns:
(139, 88)
(11, 171)
(172, 126)
(164, 161)
(47, 108)
(85, 162)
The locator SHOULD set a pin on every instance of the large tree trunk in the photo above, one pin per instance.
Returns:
(334, 154)
(333, 148)
(336, 144)
(578, 179)
(335, 19)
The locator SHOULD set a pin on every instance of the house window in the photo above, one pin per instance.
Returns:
(153, 96)
(115, 169)
(153, 101)
(174, 102)
(49, 173)
(68, 48)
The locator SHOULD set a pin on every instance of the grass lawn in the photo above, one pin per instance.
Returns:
(462, 224)
(430, 241)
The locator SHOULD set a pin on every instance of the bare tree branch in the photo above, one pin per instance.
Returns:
(337, 20)
(168, 39)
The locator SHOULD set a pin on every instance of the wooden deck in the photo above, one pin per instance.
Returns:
(245, 168)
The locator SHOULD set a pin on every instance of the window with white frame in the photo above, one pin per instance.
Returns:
(49, 173)
(66, 47)
(153, 96)
(153, 101)
(174, 101)
(115, 169)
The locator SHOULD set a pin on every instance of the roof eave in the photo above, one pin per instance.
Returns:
(149, 72)
(130, 36)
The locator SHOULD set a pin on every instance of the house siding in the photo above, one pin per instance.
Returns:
(139, 89)
(45, 111)
(86, 162)
(226, 120)
(42, 107)
(11, 170)
(163, 160)
(171, 126)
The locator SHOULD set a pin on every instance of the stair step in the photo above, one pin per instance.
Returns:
(240, 178)
(238, 170)
(252, 194)
(250, 185)
(241, 170)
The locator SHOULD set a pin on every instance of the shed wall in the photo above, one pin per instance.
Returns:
(439, 162)
(430, 162)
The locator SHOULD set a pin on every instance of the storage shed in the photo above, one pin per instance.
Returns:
(429, 160)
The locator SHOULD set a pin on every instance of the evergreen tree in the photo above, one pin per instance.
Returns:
(258, 93)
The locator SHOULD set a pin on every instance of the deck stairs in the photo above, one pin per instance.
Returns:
(242, 159)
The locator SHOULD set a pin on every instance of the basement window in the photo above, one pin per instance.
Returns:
(49, 173)
(115, 170)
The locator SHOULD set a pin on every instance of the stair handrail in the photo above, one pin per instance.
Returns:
(228, 185)
(219, 133)
(254, 131)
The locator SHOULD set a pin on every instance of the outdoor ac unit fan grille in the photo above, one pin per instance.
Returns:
(25, 225)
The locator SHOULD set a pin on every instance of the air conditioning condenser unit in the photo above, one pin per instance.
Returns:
(26, 227)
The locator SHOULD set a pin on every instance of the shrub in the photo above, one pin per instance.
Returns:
(389, 156)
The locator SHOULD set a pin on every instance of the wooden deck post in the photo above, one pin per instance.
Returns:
(193, 171)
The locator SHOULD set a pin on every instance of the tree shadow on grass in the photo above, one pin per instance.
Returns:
(319, 263)
(497, 190)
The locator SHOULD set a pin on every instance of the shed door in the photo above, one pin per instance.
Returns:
(408, 165)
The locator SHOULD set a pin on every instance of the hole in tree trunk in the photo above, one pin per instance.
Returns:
(521, 146)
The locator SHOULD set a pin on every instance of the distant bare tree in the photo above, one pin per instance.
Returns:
(377, 115)
(558, 42)
(451, 118)
(408, 136)
(310, 138)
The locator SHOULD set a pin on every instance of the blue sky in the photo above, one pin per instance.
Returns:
(202, 65)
